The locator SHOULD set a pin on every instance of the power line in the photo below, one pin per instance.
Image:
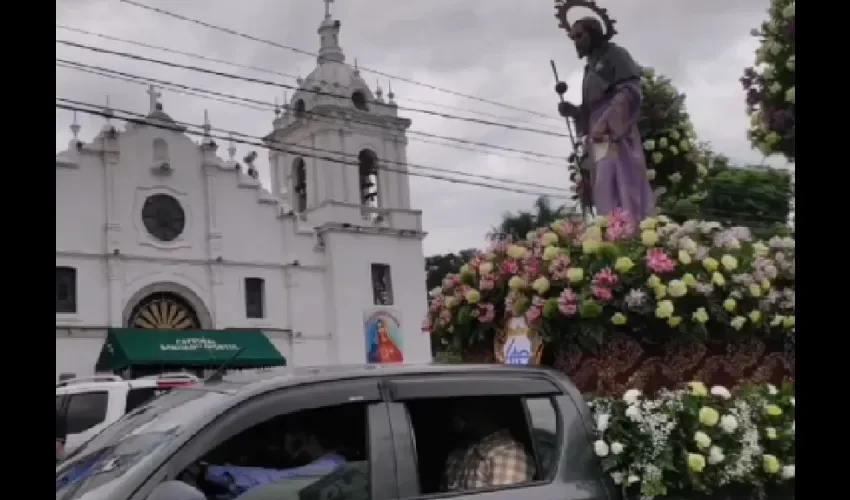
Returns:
(256, 104)
(202, 57)
(257, 142)
(130, 55)
(304, 52)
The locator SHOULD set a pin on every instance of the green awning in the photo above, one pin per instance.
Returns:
(126, 347)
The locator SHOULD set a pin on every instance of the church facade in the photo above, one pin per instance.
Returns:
(155, 230)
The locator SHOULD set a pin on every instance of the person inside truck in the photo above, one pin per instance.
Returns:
(493, 457)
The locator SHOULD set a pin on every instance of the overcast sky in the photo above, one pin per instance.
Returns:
(495, 49)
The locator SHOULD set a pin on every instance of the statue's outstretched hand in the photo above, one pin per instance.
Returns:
(568, 109)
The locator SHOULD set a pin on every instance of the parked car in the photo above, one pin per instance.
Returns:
(89, 404)
(392, 424)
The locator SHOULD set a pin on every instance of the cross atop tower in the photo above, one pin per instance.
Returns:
(154, 98)
(328, 8)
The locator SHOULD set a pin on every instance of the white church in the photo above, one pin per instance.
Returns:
(157, 234)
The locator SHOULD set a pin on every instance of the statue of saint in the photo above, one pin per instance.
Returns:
(607, 121)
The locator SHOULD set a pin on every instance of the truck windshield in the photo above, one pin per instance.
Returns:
(131, 441)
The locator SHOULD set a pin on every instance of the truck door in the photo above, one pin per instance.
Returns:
(530, 405)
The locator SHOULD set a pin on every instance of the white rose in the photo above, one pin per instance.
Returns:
(601, 448)
(721, 392)
(631, 396)
(617, 447)
(436, 292)
(772, 390)
(617, 477)
(633, 479)
(728, 423)
(602, 422)
(789, 471)
(793, 401)
(715, 455)
(633, 412)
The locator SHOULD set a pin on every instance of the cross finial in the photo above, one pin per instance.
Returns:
(154, 98)
(328, 8)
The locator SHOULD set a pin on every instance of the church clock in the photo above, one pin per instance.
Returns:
(163, 217)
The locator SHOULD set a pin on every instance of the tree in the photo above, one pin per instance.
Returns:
(439, 266)
(756, 197)
(771, 94)
(518, 225)
(676, 163)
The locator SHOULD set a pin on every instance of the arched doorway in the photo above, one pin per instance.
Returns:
(164, 310)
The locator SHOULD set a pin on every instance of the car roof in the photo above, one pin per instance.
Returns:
(250, 383)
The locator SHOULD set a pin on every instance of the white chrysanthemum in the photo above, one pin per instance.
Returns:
(721, 392)
(601, 449)
(631, 396)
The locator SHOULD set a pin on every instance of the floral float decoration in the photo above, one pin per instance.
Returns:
(656, 280)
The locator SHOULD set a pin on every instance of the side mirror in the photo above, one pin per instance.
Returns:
(176, 490)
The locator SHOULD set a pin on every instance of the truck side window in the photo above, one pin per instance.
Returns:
(85, 410)
(544, 434)
(453, 434)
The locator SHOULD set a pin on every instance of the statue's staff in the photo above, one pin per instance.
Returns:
(561, 89)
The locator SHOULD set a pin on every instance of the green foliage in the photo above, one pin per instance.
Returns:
(516, 226)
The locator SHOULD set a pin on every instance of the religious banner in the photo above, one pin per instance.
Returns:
(518, 344)
(384, 336)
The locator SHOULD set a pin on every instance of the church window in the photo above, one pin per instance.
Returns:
(66, 290)
(382, 285)
(368, 162)
(255, 298)
(300, 108)
(358, 98)
(299, 184)
(160, 150)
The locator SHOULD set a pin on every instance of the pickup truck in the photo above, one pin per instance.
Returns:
(390, 429)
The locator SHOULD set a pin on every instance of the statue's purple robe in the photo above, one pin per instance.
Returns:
(611, 97)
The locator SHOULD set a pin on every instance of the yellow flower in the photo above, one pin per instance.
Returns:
(473, 296)
(760, 249)
(765, 285)
(677, 288)
(485, 268)
(709, 264)
(649, 237)
(701, 170)
(684, 257)
(674, 321)
(657, 157)
(718, 279)
(590, 246)
(689, 280)
(618, 319)
(708, 416)
(660, 292)
(770, 432)
(729, 263)
(770, 463)
(729, 304)
(575, 274)
(738, 322)
(623, 265)
(516, 283)
(517, 252)
(549, 238)
(649, 223)
(773, 410)
(696, 462)
(755, 316)
(697, 388)
(551, 253)
(755, 290)
(777, 320)
(540, 285)
(788, 322)
(465, 269)
(450, 302)
(593, 233)
(662, 142)
(700, 316)
(702, 440)
(650, 174)
(653, 281)
(601, 221)
(664, 309)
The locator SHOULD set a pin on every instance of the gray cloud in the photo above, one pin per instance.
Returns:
(495, 49)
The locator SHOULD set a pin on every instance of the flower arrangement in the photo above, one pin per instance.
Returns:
(657, 280)
(770, 85)
(698, 441)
